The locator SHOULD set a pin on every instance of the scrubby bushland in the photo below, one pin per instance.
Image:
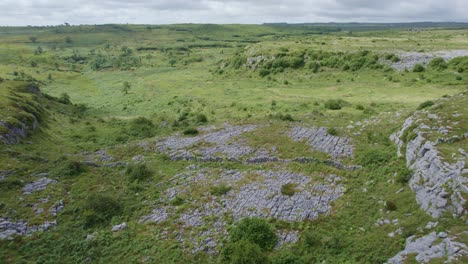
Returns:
(99, 209)
(375, 157)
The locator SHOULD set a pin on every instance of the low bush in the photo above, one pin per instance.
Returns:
(404, 175)
(289, 189)
(141, 127)
(99, 209)
(286, 257)
(332, 131)
(220, 190)
(190, 131)
(67, 168)
(438, 64)
(418, 68)
(255, 230)
(243, 252)
(335, 104)
(375, 156)
(201, 118)
(425, 104)
(391, 206)
(138, 172)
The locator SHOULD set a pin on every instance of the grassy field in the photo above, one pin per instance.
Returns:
(191, 76)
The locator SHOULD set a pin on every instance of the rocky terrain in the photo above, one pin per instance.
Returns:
(247, 194)
(441, 186)
(409, 59)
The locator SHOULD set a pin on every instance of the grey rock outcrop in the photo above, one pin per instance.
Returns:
(9, 229)
(426, 248)
(439, 185)
(38, 185)
(320, 140)
(119, 227)
(409, 59)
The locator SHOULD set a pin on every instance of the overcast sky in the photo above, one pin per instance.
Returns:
(54, 12)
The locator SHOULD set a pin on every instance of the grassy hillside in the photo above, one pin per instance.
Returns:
(117, 103)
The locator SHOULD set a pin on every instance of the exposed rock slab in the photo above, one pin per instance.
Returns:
(261, 197)
(320, 140)
(427, 248)
(38, 185)
(409, 59)
(9, 229)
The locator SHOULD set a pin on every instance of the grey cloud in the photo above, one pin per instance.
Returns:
(49, 12)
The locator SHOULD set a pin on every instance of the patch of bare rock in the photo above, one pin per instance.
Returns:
(251, 194)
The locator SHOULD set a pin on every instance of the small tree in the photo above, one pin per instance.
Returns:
(38, 51)
(172, 62)
(33, 39)
(68, 40)
(126, 87)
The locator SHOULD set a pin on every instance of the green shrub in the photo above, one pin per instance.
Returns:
(138, 172)
(332, 131)
(359, 107)
(418, 68)
(438, 64)
(286, 117)
(11, 184)
(286, 257)
(374, 157)
(335, 104)
(243, 252)
(190, 131)
(64, 98)
(391, 206)
(99, 209)
(425, 104)
(255, 230)
(177, 201)
(142, 127)
(67, 168)
(264, 72)
(220, 190)
(289, 189)
(404, 175)
(201, 118)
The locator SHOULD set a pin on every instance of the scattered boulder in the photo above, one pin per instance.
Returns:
(38, 185)
(120, 227)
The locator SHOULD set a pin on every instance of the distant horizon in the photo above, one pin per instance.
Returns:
(162, 12)
(246, 24)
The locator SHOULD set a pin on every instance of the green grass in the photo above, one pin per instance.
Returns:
(195, 91)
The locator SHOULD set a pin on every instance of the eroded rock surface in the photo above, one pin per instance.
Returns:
(38, 185)
(9, 229)
(320, 140)
(249, 194)
(430, 247)
(409, 59)
(438, 184)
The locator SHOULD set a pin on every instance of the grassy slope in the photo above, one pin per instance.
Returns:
(161, 92)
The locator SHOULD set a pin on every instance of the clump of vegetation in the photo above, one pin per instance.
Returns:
(220, 190)
(100, 208)
(332, 131)
(285, 117)
(438, 64)
(138, 172)
(392, 57)
(66, 168)
(335, 104)
(64, 98)
(418, 68)
(126, 87)
(375, 157)
(254, 230)
(359, 107)
(289, 189)
(243, 252)
(404, 175)
(142, 127)
(190, 131)
(201, 118)
(391, 206)
(425, 104)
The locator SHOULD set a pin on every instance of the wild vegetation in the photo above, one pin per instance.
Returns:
(149, 126)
